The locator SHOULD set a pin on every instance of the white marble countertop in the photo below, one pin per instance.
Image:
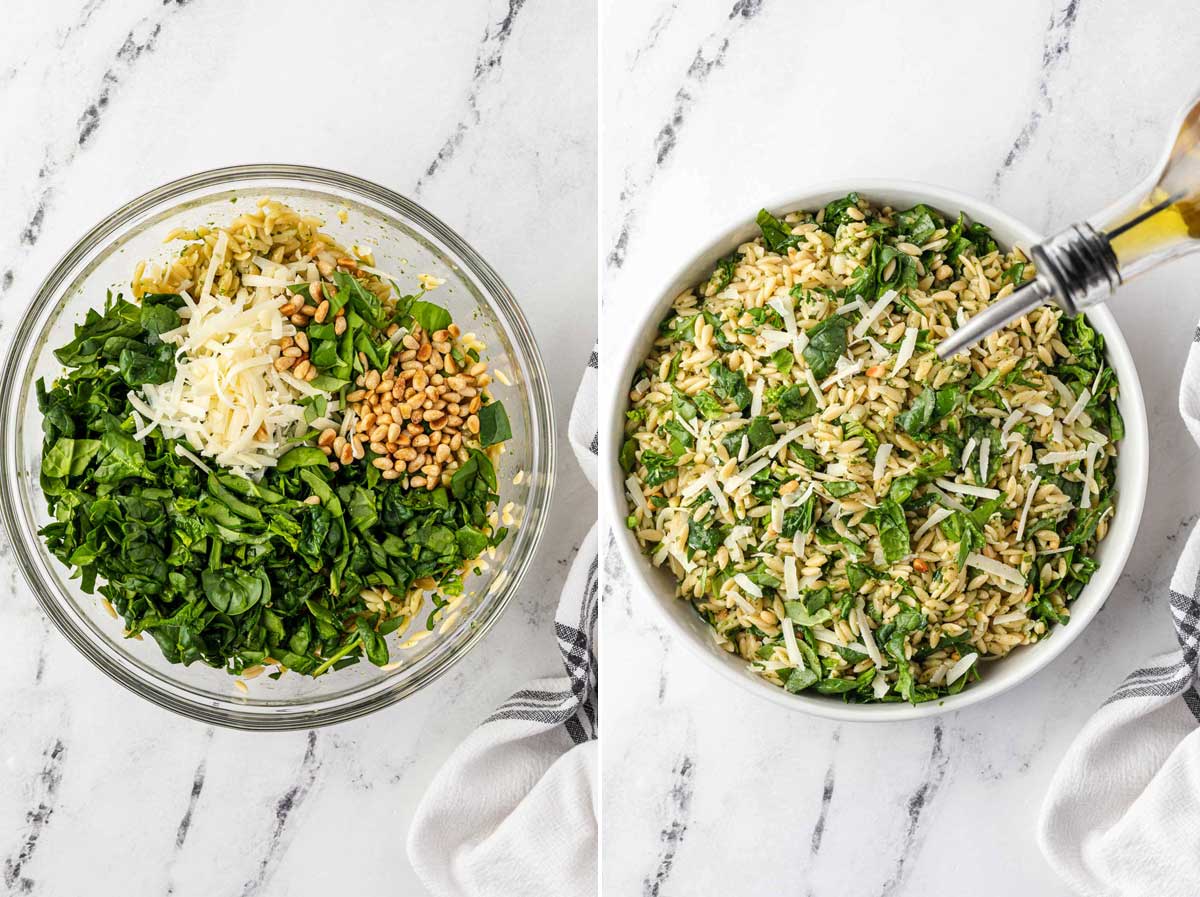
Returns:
(1048, 108)
(486, 115)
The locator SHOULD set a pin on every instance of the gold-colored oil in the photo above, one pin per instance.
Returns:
(1171, 224)
(1177, 198)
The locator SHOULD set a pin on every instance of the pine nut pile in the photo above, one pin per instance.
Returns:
(413, 414)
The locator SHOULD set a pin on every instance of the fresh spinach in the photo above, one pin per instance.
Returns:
(826, 344)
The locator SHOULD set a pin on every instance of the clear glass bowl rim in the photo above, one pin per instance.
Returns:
(26, 545)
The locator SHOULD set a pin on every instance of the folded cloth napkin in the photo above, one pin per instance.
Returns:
(1122, 817)
(513, 811)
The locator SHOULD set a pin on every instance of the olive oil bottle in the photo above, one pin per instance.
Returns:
(1082, 265)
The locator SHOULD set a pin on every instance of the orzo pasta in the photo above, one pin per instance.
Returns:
(847, 512)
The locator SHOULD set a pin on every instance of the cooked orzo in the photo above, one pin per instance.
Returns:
(850, 514)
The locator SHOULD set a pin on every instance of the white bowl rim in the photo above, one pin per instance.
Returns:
(1134, 452)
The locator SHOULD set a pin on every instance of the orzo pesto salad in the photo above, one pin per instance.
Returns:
(270, 457)
(851, 515)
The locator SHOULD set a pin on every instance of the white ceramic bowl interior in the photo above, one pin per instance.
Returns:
(656, 586)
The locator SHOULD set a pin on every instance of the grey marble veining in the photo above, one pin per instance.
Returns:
(1050, 109)
(486, 113)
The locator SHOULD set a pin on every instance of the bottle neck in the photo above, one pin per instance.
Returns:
(1079, 267)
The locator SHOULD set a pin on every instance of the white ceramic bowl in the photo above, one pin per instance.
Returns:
(656, 587)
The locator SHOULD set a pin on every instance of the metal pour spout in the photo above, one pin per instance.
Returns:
(1076, 268)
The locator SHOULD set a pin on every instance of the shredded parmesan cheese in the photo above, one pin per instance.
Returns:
(227, 400)
(1033, 487)
(1077, 408)
(907, 345)
(960, 668)
(789, 641)
(934, 519)
(873, 314)
(965, 489)
(881, 459)
(967, 452)
(748, 585)
(1085, 500)
(813, 388)
(791, 584)
(757, 397)
(995, 568)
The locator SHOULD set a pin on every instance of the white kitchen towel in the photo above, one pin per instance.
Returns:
(513, 811)
(1122, 817)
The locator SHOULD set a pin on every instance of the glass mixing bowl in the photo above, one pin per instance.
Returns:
(407, 241)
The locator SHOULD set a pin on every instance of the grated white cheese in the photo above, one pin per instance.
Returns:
(844, 369)
(789, 641)
(1062, 457)
(1064, 391)
(828, 636)
(967, 452)
(1087, 433)
(1077, 408)
(960, 668)
(873, 314)
(868, 637)
(783, 305)
(740, 479)
(774, 340)
(907, 346)
(996, 568)
(813, 388)
(856, 305)
(1085, 500)
(698, 485)
(799, 343)
(740, 600)
(791, 583)
(935, 518)
(1033, 487)
(733, 542)
(881, 459)
(748, 585)
(796, 497)
(184, 453)
(718, 495)
(635, 492)
(227, 400)
(965, 489)
(1009, 423)
(756, 397)
(775, 448)
(878, 352)
(1041, 409)
(879, 685)
(985, 452)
